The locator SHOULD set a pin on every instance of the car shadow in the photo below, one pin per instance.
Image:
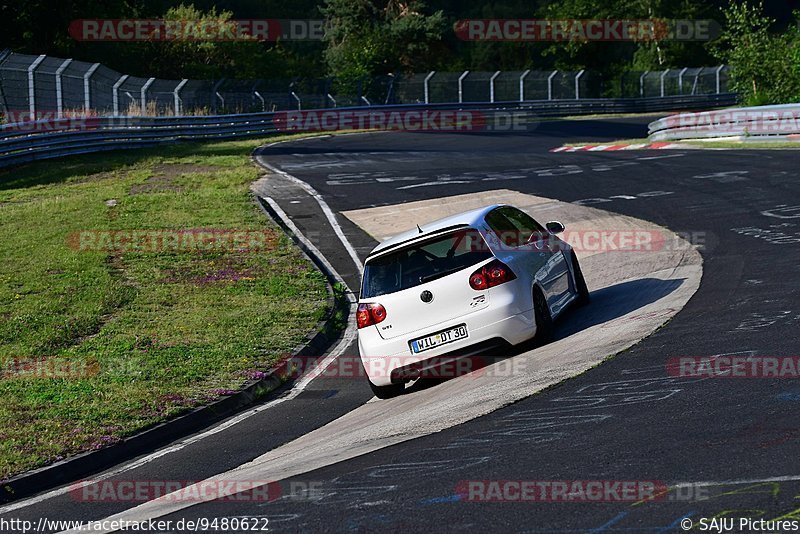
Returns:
(612, 302)
(606, 304)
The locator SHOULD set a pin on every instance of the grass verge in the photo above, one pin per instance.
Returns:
(96, 345)
(617, 142)
(738, 145)
(745, 145)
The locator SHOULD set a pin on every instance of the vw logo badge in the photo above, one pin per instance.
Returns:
(426, 296)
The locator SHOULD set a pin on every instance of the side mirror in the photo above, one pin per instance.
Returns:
(554, 227)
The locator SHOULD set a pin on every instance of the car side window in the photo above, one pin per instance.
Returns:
(505, 230)
(525, 225)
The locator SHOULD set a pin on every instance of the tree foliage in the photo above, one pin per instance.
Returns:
(199, 58)
(765, 66)
(610, 58)
(35, 27)
(368, 38)
(371, 37)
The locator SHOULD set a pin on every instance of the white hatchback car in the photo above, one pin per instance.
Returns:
(459, 287)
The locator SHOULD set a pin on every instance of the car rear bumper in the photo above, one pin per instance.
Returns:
(459, 362)
(390, 360)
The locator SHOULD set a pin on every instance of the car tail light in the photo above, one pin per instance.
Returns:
(369, 314)
(492, 274)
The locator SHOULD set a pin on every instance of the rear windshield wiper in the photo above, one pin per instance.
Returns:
(440, 274)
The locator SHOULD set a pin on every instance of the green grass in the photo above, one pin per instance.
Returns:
(617, 142)
(740, 145)
(596, 116)
(146, 336)
(749, 145)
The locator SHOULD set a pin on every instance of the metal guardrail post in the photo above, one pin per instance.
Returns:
(390, 90)
(425, 84)
(59, 93)
(522, 85)
(115, 93)
(491, 86)
(143, 93)
(18, 147)
(460, 87)
(696, 77)
(325, 88)
(3, 57)
(87, 102)
(577, 84)
(680, 79)
(263, 104)
(254, 90)
(215, 92)
(641, 82)
(176, 94)
(719, 69)
(661, 80)
(550, 84)
(32, 86)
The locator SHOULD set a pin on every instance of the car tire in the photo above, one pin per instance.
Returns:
(387, 392)
(580, 283)
(544, 321)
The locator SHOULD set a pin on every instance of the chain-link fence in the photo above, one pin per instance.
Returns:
(668, 82)
(42, 86)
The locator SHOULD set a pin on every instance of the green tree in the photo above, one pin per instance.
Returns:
(198, 58)
(35, 27)
(374, 37)
(612, 59)
(765, 67)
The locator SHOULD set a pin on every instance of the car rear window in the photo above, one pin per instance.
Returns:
(423, 261)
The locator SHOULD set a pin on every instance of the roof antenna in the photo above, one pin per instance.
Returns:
(420, 229)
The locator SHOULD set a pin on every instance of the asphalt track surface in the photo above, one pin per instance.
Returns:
(736, 440)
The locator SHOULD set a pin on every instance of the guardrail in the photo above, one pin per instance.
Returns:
(27, 142)
(755, 123)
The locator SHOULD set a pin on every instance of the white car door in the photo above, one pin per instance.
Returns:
(541, 255)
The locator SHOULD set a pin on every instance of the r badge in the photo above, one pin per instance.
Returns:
(480, 299)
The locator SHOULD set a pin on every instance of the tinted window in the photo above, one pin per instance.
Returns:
(525, 224)
(506, 231)
(423, 261)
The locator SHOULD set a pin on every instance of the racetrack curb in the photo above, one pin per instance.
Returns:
(634, 294)
(276, 381)
(618, 146)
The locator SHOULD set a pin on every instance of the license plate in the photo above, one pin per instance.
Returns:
(438, 339)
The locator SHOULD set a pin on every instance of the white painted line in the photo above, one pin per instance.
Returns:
(325, 209)
(429, 184)
(662, 156)
(379, 424)
(788, 478)
(348, 338)
(308, 244)
(741, 482)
